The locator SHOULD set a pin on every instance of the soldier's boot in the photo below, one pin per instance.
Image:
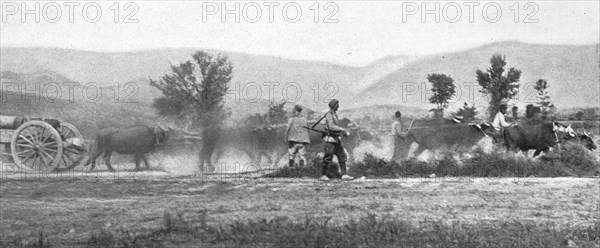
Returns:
(324, 166)
(301, 163)
(291, 163)
(344, 171)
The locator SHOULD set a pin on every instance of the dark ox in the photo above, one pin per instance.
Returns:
(453, 136)
(253, 142)
(269, 141)
(136, 140)
(540, 136)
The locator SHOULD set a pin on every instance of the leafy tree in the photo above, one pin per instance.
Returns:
(546, 106)
(195, 89)
(579, 115)
(443, 89)
(277, 113)
(497, 86)
(467, 112)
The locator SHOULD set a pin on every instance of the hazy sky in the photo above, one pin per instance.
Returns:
(364, 31)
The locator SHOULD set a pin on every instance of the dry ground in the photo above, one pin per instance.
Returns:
(70, 207)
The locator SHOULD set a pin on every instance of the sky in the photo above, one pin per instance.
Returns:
(349, 32)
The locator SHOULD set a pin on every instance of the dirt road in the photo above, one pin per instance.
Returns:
(69, 208)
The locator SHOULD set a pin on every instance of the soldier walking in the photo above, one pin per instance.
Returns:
(297, 137)
(333, 143)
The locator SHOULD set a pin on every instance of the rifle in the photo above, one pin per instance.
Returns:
(316, 130)
(328, 132)
(411, 122)
(319, 121)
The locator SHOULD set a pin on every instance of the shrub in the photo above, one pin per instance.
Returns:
(374, 166)
(574, 159)
(569, 160)
(312, 170)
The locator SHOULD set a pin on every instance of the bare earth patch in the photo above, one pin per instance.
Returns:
(68, 209)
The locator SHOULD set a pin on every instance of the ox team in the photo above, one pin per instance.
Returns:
(140, 140)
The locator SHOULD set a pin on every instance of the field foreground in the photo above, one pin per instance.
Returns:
(69, 211)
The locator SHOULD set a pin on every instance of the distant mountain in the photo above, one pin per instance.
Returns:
(108, 68)
(573, 73)
(38, 76)
(378, 69)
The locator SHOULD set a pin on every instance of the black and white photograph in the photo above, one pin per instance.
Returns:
(299, 123)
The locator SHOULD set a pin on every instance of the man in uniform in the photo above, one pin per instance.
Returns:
(297, 137)
(333, 143)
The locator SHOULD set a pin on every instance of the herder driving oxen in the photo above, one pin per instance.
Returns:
(136, 140)
(400, 139)
(499, 123)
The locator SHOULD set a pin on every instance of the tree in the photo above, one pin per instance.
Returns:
(274, 116)
(579, 115)
(195, 89)
(277, 114)
(467, 112)
(497, 86)
(546, 106)
(515, 113)
(443, 89)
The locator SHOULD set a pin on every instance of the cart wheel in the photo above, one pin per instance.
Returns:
(36, 146)
(72, 155)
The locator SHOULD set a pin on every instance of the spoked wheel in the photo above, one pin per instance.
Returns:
(72, 153)
(36, 146)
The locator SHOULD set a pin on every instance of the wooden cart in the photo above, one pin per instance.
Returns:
(42, 145)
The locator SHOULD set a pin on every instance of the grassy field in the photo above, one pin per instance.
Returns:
(156, 209)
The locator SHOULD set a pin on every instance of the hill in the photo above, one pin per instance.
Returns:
(108, 68)
(573, 73)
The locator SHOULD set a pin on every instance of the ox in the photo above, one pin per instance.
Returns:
(540, 136)
(452, 136)
(136, 140)
(585, 139)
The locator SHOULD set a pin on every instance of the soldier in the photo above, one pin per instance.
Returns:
(399, 138)
(297, 137)
(333, 143)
